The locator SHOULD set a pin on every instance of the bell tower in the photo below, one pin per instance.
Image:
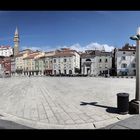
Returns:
(16, 42)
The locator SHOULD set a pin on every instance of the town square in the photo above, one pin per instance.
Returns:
(63, 102)
(57, 74)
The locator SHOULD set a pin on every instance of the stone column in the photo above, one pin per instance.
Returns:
(108, 72)
(82, 69)
(85, 70)
(137, 96)
(134, 107)
(91, 68)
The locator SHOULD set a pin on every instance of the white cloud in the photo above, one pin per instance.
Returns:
(92, 46)
(32, 48)
(77, 46)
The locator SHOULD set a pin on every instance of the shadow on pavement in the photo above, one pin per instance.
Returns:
(109, 109)
(5, 124)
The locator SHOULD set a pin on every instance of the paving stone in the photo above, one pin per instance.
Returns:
(64, 95)
(97, 118)
(117, 127)
(79, 121)
(85, 126)
(52, 120)
(69, 122)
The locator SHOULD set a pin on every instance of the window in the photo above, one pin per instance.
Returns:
(134, 71)
(88, 59)
(123, 58)
(65, 60)
(65, 72)
(54, 60)
(106, 60)
(59, 71)
(100, 60)
(54, 72)
(106, 66)
(70, 71)
(123, 65)
(133, 65)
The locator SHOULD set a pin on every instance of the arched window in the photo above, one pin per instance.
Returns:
(88, 59)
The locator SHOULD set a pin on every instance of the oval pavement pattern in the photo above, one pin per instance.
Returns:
(63, 102)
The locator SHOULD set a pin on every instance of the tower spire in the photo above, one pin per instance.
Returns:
(16, 31)
(16, 42)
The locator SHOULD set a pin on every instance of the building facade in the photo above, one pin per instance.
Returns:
(7, 66)
(1, 67)
(6, 51)
(49, 63)
(126, 60)
(66, 61)
(40, 65)
(30, 63)
(95, 62)
(13, 66)
(19, 63)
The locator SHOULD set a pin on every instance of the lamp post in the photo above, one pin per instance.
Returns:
(135, 104)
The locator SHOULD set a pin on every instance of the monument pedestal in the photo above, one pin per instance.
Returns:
(134, 107)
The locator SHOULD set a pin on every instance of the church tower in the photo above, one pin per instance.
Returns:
(16, 42)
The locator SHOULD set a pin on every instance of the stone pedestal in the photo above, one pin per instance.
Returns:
(134, 107)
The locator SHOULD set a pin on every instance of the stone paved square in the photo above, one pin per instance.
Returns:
(63, 102)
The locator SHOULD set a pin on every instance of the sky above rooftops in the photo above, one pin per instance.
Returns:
(80, 30)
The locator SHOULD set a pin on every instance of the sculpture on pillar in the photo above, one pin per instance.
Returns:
(134, 106)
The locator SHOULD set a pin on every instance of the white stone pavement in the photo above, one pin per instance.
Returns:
(62, 102)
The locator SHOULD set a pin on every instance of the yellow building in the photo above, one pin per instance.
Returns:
(29, 63)
(19, 62)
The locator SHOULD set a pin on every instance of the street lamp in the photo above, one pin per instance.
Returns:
(135, 104)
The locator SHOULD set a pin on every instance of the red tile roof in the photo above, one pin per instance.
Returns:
(31, 56)
(127, 47)
(5, 47)
(68, 54)
(19, 55)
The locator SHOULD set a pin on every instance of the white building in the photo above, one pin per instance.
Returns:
(95, 62)
(126, 60)
(6, 51)
(66, 61)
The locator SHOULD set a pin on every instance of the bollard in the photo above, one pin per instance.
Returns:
(123, 103)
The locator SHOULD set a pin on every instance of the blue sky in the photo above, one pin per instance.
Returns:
(80, 30)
